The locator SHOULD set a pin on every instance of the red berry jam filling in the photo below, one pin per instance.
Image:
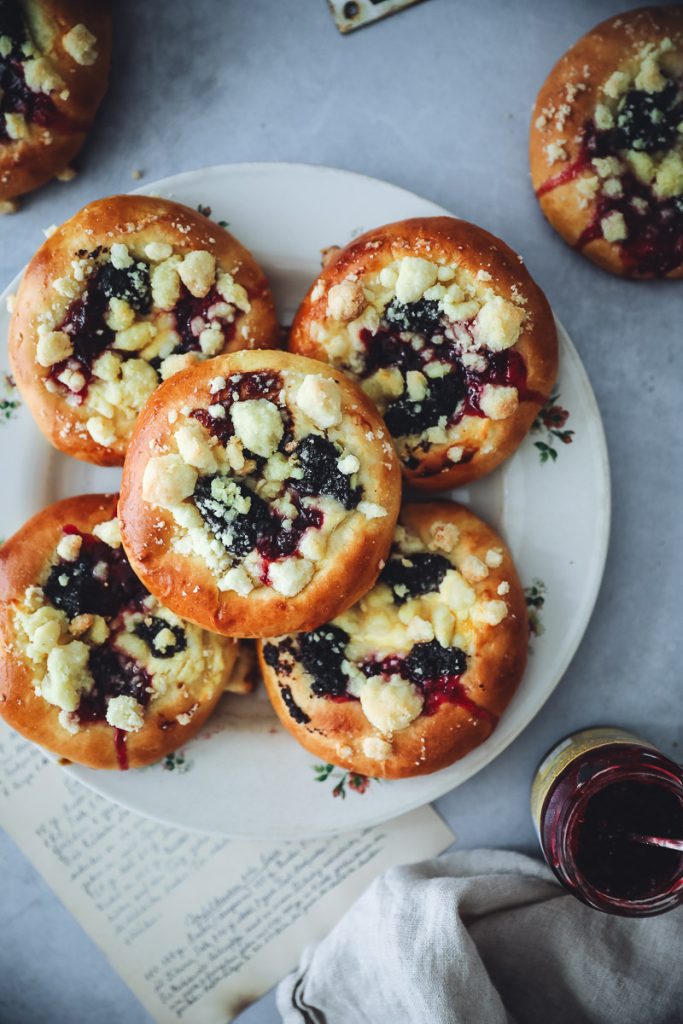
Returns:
(414, 335)
(101, 582)
(120, 737)
(15, 95)
(647, 123)
(192, 316)
(84, 320)
(242, 387)
(435, 670)
(262, 527)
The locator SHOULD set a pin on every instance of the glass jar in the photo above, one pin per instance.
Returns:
(591, 795)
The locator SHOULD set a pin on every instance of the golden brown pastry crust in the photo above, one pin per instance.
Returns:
(27, 163)
(336, 731)
(186, 584)
(565, 104)
(22, 560)
(134, 221)
(486, 443)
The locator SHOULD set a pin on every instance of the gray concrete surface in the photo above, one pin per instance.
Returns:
(436, 99)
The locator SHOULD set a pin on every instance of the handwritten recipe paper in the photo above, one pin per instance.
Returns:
(198, 926)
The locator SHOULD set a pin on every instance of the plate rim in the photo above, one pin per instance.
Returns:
(601, 541)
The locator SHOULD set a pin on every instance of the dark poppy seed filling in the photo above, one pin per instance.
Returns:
(280, 656)
(12, 22)
(116, 675)
(234, 513)
(421, 317)
(412, 336)
(220, 501)
(321, 653)
(429, 661)
(297, 713)
(647, 123)
(15, 95)
(132, 284)
(436, 671)
(392, 665)
(404, 417)
(318, 458)
(99, 582)
(413, 575)
(84, 320)
(149, 629)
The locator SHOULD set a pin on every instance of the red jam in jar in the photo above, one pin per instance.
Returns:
(593, 795)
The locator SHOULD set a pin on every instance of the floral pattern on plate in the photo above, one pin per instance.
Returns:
(551, 420)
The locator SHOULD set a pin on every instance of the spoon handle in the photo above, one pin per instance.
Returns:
(668, 844)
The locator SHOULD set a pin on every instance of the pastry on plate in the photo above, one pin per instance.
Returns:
(94, 668)
(606, 144)
(119, 298)
(418, 672)
(445, 330)
(260, 494)
(54, 64)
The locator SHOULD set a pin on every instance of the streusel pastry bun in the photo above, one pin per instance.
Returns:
(419, 671)
(443, 327)
(94, 668)
(259, 490)
(122, 296)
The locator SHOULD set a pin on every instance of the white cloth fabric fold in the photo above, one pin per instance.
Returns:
(486, 937)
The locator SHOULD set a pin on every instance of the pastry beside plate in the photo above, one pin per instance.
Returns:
(54, 66)
(606, 145)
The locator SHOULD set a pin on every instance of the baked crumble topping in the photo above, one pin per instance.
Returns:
(259, 476)
(402, 650)
(128, 317)
(432, 344)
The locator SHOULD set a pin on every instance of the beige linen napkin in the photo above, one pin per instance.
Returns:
(486, 937)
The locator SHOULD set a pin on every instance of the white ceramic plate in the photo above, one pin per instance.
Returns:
(245, 776)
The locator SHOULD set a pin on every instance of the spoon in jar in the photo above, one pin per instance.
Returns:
(667, 844)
